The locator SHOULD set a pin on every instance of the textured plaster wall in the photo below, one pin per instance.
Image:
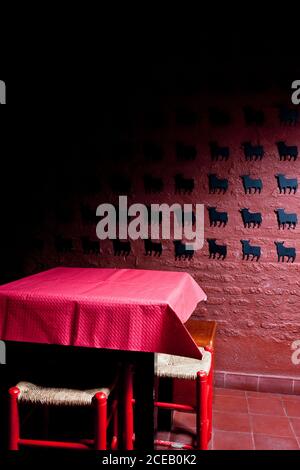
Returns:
(256, 304)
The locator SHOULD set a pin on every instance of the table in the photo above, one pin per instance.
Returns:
(119, 309)
(124, 309)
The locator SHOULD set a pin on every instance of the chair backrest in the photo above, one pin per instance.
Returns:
(202, 331)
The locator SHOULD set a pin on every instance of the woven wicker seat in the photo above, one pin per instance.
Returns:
(37, 395)
(104, 414)
(177, 367)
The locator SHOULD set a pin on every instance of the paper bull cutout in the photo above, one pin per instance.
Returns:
(251, 184)
(287, 152)
(182, 250)
(215, 249)
(285, 218)
(289, 116)
(217, 218)
(185, 152)
(152, 247)
(285, 252)
(121, 248)
(253, 116)
(219, 117)
(286, 183)
(153, 184)
(250, 250)
(183, 185)
(90, 246)
(216, 184)
(217, 152)
(251, 151)
(251, 219)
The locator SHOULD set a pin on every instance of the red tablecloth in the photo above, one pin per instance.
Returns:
(126, 309)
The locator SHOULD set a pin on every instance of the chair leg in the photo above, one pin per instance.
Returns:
(128, 414)
(210, 390)
(100, 402)
(202, 408)
(14, 421)
(114, 444)
(209, 404)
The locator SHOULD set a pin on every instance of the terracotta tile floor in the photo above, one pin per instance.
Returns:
(246, 420)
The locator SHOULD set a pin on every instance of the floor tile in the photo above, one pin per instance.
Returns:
(182, 438)
(290, 397)
(271, 425)
(163, 435)
(245, 420)
(292, 408)
(250, 393)
(186, 421)
(295, 422)
(239, 422)
(229, 392)
(236, 404)
(264, 442)
(266, 406)
(228, 440)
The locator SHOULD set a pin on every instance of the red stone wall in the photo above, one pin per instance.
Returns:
(256, 304)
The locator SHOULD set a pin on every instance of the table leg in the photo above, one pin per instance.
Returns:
(144, 402)
(165, 394)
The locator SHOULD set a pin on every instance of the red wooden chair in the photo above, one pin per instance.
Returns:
(176, 367)
(45, 397)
